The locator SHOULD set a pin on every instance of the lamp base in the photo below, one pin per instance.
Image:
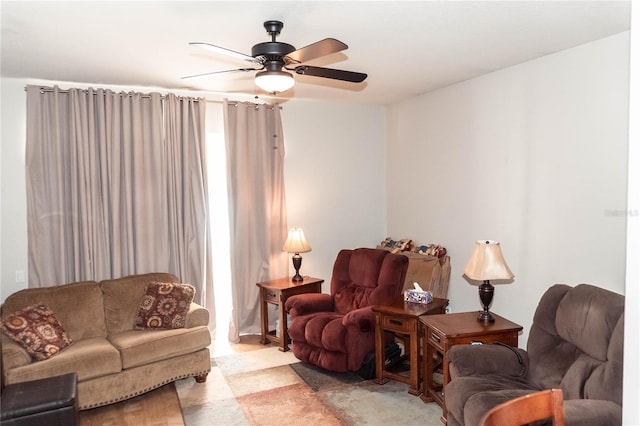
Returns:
(297, 263)
(485, 317)
(486, 296)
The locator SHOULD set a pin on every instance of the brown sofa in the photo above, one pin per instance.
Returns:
(575, 343)
(113, 361)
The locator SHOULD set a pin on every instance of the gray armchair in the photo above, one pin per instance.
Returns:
(575, 343)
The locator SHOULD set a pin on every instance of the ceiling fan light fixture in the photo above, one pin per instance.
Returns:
(274, 81)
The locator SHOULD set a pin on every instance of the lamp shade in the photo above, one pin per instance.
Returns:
(274, 81)
(487, 263)
(296, 243)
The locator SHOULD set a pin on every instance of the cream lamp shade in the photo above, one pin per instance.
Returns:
(296, 243)
(487, 263)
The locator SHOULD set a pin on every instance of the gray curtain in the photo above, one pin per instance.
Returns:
(257, 207)
(116, 186)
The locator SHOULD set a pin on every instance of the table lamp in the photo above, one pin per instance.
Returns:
(296, 243)
(486, 263)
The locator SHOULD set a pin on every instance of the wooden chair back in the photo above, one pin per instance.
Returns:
(526, 409)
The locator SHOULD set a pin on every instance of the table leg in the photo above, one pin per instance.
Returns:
(380, 352)
(414, 362)
(427, 374)
(264, 319)
(445, 379)
(284, 333)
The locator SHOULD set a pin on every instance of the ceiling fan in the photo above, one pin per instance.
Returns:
(273, 57)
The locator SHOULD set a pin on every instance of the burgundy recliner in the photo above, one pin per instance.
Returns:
(335, 331)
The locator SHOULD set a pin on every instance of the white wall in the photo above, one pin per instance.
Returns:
(334, 175)
(13, 197)
(533, 156)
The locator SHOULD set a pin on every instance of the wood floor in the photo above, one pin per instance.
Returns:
(159, 407)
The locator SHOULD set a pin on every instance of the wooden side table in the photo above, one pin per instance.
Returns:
(402, 318)
(277, 292)
(443, 331)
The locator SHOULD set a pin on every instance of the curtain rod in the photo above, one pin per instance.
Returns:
(234, 103)
(122, 92)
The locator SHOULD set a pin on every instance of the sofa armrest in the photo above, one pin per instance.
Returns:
(308, 303)
(363, 318)
(197, 316)
(13, 355)
(474, 360)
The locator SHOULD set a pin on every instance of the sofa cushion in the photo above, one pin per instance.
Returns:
(89, 358)
(80, 320)
(140, 347)
(37, 329)
(164, 306)
(122, 297)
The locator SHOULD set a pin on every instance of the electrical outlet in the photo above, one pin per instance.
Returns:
(20, 278)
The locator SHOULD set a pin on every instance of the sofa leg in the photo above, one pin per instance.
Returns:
(201, 378)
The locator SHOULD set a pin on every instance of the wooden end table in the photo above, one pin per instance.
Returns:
(401, 318)
(443, 331)
(276, 292)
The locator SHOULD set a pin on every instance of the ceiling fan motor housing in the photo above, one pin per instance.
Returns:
(271, 49)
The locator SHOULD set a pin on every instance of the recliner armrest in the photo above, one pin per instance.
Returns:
(303, 304)
(474, 360)
(363, 318)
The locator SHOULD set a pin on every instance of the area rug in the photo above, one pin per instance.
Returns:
(355, 401)
(292, 404)
(159, 407)
(317, 378)
(267, 387)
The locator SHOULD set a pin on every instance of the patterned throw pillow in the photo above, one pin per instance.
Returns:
(164, 306)
(37, 330)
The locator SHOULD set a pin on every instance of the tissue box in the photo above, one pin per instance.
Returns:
(416, 296)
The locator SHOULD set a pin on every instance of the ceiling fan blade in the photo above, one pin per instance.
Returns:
(316, 50)
(223, 51)
(353, 77)
(222, 72)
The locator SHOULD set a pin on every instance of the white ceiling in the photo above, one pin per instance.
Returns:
(406, 48)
